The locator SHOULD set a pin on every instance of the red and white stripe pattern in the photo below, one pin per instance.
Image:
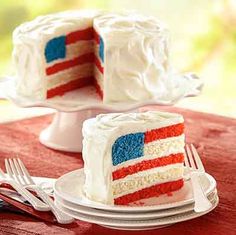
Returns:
(76, 69)
(158, 171)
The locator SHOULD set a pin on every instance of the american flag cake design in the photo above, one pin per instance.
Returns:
(146, 156)
(70, 61)
(55, 53)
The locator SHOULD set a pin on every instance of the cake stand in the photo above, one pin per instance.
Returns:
(64, 133)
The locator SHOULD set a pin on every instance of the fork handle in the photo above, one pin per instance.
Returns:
(34, 201)
(61, 217)
(201, 201)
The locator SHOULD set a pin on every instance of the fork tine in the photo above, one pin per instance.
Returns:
(197, 158)
(25, 171)
(19, 171)
(190, 157)
(14, 171)
(8, 169)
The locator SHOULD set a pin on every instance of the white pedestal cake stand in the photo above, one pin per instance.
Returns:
(64, 133)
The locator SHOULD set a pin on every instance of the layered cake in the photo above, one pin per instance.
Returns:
(124, 56)
(129, 157)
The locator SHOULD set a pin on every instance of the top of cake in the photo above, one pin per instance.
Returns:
(146, 120)
(130, 23)
(54, 24)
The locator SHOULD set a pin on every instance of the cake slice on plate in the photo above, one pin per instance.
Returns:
(128, 157)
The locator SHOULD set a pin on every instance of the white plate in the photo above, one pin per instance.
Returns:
(137, 224)
(129, 215)
(134, 229)
(181, 86)
(70, 188)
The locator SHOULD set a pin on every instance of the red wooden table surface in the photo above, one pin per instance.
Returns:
(214, 137)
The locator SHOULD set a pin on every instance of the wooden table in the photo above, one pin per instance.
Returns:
(214, 137)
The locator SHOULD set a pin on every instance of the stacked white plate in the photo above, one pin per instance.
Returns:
(150, 213)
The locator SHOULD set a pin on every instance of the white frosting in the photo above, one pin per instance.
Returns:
(99, 77)
(146, 120)
(29, 41)
(135, 57)
(99, 135)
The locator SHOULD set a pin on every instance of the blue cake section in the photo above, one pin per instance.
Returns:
(101, 49)
(55, 49)
(127, 147)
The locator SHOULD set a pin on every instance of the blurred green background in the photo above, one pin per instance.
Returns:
(203, 40)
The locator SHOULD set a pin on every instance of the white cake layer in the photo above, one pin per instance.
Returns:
(68, 75)
(157, 149)
(135, 56)
(99, 77)
(165, 147)
(148, 178)
(102, 132)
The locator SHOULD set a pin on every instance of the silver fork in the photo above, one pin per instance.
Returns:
(17, 170)
(201, 201)
(34, 201)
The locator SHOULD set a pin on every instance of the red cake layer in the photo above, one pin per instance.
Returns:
(98, 88)
(147, 164)
(164, 132)
(83, 59)
(96, 36)
(72, 85)
(85, 34)
(98, 64)
(153, 191)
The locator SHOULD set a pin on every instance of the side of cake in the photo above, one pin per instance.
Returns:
(129, 157)
(131, 57)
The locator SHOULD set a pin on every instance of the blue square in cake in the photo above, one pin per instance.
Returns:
(127, 147)
(101, 49)
(55, 49)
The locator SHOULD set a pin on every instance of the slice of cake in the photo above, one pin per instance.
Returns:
(124, 56)
(128, 157)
